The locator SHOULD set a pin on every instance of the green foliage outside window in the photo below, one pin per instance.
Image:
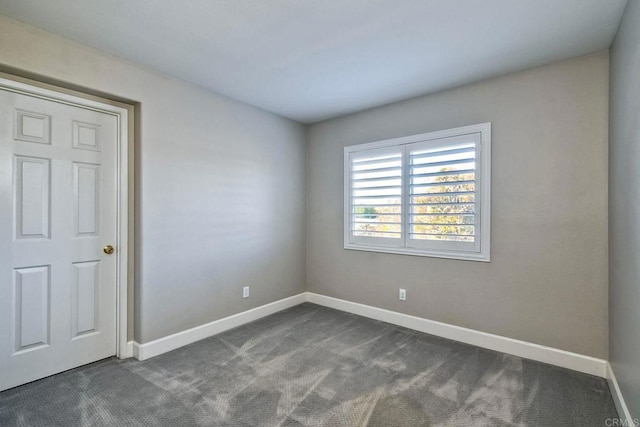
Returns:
(366, 212)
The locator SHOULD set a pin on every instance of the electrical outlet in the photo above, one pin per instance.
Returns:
(245, 292)
(402, 294)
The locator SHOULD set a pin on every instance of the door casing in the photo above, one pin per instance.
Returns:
(123, 115)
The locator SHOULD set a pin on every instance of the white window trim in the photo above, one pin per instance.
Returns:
(484, 189)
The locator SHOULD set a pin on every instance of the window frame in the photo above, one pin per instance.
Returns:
(482, 248)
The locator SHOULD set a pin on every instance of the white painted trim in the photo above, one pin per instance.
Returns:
(481, 252)
(623, 411)
(128, 350)
(431, 253)
(36, 89)
(540, 353)
(123, 350)
(136, 350)
(180, 339)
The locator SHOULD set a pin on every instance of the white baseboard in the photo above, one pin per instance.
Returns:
(180, 339)
(540, 353)
(618, 399)
(550, 355)
(126, 352)
(137, 351)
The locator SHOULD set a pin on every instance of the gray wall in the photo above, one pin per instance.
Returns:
(547, 280)
(206, 164)
(624, 209)
(220, 187)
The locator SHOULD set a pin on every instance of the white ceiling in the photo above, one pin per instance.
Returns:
(311, 59)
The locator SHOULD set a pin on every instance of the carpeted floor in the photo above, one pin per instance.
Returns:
(314, 366)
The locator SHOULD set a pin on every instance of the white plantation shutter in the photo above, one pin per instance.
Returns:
(443, 194)
(376, 196)
(426, 194)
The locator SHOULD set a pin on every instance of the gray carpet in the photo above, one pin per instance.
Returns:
(313, 366)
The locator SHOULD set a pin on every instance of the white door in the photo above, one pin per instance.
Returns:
(57, 212)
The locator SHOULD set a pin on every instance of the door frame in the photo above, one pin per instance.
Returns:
(123, 114)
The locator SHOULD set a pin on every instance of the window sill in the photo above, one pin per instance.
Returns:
(421, 252)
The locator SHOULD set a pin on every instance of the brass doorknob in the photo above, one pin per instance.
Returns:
(108, 249)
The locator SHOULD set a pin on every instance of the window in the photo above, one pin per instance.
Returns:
(426, 194)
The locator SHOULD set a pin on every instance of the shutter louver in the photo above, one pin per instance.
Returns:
(424, 195)
(376, 195)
